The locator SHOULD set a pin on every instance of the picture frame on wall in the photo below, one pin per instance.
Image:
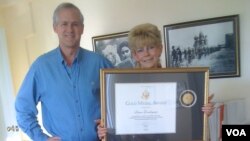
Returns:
(149, 104)
(115, 48)
(212, 43)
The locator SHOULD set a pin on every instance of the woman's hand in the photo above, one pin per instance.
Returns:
(209, 107)
(101, 131)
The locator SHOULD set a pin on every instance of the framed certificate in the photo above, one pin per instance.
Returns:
(154, 104)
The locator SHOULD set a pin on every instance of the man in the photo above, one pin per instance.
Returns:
(66, 82)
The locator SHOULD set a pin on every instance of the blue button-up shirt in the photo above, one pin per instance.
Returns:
(69, 96)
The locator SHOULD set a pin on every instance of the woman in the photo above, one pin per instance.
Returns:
(145, 43)
(110, 53)
(125, 55)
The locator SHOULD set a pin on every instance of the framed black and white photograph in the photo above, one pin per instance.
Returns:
(212, 43)
(115, 48)
(154, 104)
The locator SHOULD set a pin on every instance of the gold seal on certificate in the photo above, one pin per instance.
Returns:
(145, 95)
(188, 98)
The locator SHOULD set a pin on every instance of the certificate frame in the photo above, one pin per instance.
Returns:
(191, 123)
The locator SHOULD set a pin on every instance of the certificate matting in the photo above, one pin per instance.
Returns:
(143, 108)
(190, 124)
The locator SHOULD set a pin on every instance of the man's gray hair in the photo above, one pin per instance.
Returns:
(66, 5)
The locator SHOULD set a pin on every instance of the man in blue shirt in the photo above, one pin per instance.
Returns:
(66, 82)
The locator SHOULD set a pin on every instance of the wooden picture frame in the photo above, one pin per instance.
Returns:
(212, 43)
(115, 48)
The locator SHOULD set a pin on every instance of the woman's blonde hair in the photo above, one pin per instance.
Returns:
(144, 35)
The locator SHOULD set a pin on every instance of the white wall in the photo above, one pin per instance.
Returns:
(112, 16)
(8, 119)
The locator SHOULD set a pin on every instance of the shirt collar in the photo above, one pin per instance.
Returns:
(61, 59)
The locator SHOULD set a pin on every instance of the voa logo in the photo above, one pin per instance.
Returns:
(236, 132)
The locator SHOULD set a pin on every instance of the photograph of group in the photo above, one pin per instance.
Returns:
(213, 43)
